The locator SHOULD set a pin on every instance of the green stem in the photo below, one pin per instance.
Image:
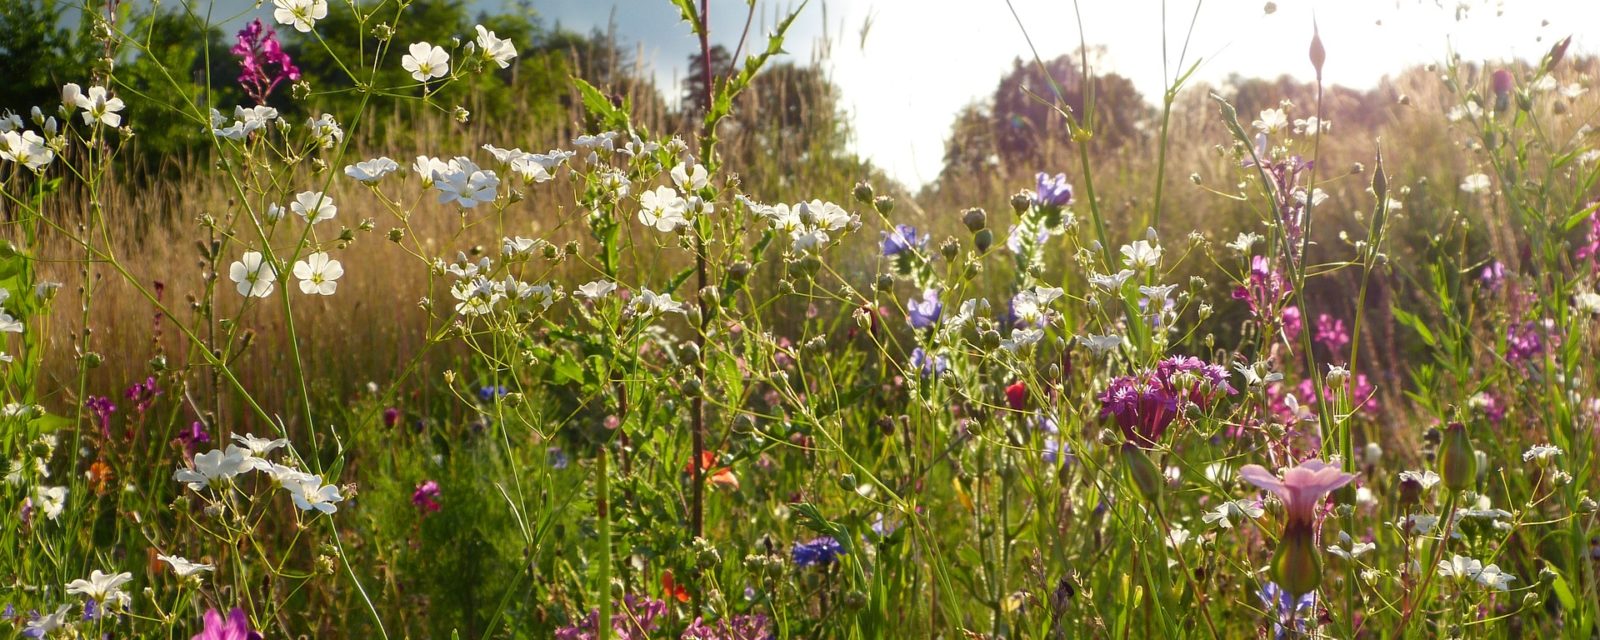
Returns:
(603, 512)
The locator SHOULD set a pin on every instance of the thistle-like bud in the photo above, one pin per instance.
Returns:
(1020, 201)
(950, 248)
(863, 193)
(975, 219)
(1458, 466)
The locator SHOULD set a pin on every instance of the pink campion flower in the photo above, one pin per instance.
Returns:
(263, 62)
(236, 627)
(1297, 563)
(1292, 323)
(1331, 333)
(1301, 489)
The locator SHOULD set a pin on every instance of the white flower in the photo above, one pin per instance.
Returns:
(426, 62)
(371, 171)
(429, 169)
(274, 212)
(1100, 345)
(1469, 110)
(215, 467)
(51, 500)
(517, 246)
(314, 206)
(253, 275)
(688, 179)
(1350, 549)
(1111, 282)
(1475, 183)
(1491, 576)
(1141, 255)
(259, 446)
(26, 148)
(98, 108)
(1243, 243)
(1541, 452)
(300, 14)
(318, 275)
(1587, 301)
(1223, 515)
(1427, 479)
(462, 182)
(497, 50)
(1021, 338)
(650, 303)
(104, 588)
(70, 92)
(663, 209)
(183, 567)
(597, 289)
(310, 494)
(1460, 567)
(285, 475)
(326, 130)
(1157, 294)
(1271, 120)
(43, 626)
(9, 324)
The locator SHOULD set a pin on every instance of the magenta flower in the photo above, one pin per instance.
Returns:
(1331, 333)
(1146, 404)
(426, 497)
(236, 627)
(1265, 291)
(262, 61)
(1301, 489)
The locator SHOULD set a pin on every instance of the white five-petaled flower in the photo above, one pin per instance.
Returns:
(51, 500)
(597, 289)
(1464, 569)
(371, 171)
(1587, 301)
(1111, 282)
(1141, 255)
(426, 62)
(314, 206)
(26, 148)
(462, 182)
(649, 303)
(300, 14)
(310, 494)
(104, 588)
(1100, 345)
(318, 274)
(1271, 120)
(9, 324)
(1541, 453)
(689, 179)
(497, 50)
(259, 447)
(184, 567)
(1475, 183)
(663, 209)
(216, 466)
(43, 626)
(99, 108)
(1425, 479)
(1224, 514)
(252, 275)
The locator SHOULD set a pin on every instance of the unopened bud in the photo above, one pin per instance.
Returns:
(1458, 465)
(975, 219)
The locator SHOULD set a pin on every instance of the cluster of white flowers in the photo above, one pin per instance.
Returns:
(246, 120)
(34, 151)
(810, 225)
(478, 294)
(669, 210)
(217, 469)
(103, 588)
(530, 167)
(326, 130)
(46, 499)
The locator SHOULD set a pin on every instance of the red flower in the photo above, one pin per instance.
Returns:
(1017, 395)
(674, 591)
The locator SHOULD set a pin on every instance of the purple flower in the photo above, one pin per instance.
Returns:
(636, 621)
(1590, 249)
(1292, 323)
(259, 52)
(1285, 606)
(425, 497)
(1146, 404)
(102, 408)
(1053, 191)
(824, 550)
(925, 313)
(143, 394)
(556, 458)
(1525, 342)
(1493, 274)
(744, 627)
(1265, 290)
(391, 417)
(929, 365)
(903, 238)
(194, 436)
(1301, 489)
(236, 627)
(1331, 333)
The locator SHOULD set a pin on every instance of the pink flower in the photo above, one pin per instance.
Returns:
(1301, 488)
(236, 627)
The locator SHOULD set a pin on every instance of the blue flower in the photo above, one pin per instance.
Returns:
(929, 365)
(925, 313)
(556, 458)
(1284, 605)
(819, 551)
(489, 393)
(903, 238)
(1053, 191)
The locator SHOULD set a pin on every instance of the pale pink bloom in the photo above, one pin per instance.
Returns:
(1301, 488)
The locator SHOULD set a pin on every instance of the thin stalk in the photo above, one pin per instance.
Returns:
(603, 512)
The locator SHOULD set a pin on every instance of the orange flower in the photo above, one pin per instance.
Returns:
(673, 590)
(101, 476)
(721, 478)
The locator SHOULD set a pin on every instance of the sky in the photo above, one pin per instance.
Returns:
(906, 67)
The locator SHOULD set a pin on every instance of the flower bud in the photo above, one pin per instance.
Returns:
(1141, 471)
(975, 219)
(884, 204)
(1458, 465)
(950, 248)
(1319, 55)
(863, 193)
(1020, 201)
(983, 240)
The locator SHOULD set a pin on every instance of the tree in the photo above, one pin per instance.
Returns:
(1027, 126)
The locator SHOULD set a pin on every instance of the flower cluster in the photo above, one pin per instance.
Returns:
(262, 61)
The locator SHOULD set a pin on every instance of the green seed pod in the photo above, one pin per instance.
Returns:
(1297, 565)
(1142, 471)
(983, 240)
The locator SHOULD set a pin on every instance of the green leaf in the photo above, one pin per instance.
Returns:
(1411, 320)
(1563, 593)
(688, 13)
(1581, 215)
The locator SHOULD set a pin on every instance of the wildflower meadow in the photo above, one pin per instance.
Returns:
(386, 319)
